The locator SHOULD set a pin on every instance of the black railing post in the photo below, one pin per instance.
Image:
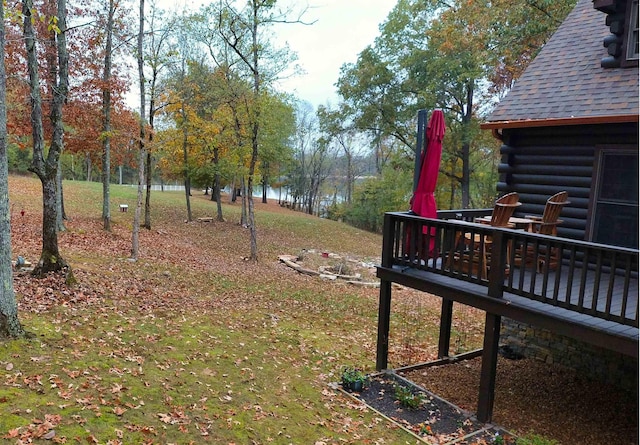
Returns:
(446, 317)
(384, 316)
(384, 305)
(486, 397)
(497, 263)
(489, 364)
(388, 237)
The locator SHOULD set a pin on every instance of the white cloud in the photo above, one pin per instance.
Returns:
(343, 28)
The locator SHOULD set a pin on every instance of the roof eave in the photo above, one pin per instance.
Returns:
(557, 122)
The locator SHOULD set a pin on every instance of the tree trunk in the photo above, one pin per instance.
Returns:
(147, 200)
(9, 323)
(142, 155)
(265, 182)
(152, 114)
(215, 191)
(106, 121)
(243, 195)
(185, 159)
(350, 175)
(87, 161)
(255, 130)
(60, 215)
(50, 258)
(136, 219)
(232, 194)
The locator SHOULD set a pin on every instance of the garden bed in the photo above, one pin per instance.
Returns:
(433, 420)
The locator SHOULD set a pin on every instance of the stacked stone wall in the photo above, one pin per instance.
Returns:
(594, 362)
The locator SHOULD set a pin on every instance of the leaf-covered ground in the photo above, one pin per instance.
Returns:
(191, 343)
(194, 344)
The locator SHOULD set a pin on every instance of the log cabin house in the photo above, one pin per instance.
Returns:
(569, 123)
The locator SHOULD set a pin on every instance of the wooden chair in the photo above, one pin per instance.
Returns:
(547, 224)
(503, 209)
(481, 248)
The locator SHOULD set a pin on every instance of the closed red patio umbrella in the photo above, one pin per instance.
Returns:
(423, 202)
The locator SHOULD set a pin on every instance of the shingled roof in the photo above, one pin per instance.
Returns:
(566, 80)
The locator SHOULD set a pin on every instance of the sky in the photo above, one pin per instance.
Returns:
(343, 28)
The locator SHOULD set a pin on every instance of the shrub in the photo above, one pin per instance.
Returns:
(407, 397)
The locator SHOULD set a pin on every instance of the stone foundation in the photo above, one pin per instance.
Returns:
(594, 362)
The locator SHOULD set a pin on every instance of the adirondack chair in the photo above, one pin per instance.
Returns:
(481, 248)
(547, 224)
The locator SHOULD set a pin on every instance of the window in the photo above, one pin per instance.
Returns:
(632, 35)
(615, 207)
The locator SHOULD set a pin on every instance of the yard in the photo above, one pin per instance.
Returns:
(194, 344)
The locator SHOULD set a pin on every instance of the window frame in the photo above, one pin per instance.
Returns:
(631, 31)
(594, 199)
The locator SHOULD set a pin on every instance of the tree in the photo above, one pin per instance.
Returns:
(377, 102)
(335, 124)
(242, 30)
(275, 150)
(9, 324)
(375, 196)
(135, 244)
(468, 43)
(180, 101)
(106, 117)
(47, 169)
(311, 164)
(159, 56)
(99, 75)
(457, 56)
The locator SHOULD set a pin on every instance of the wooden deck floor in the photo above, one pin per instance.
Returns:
(581, 296)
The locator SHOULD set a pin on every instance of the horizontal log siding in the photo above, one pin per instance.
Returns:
(539, 162)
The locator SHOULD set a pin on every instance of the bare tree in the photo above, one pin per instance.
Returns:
(312, 163)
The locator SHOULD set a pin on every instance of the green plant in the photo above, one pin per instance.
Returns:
(407, 397)
(534, 439)
(352, 376)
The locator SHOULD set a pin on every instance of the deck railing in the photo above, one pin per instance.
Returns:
(589, 278)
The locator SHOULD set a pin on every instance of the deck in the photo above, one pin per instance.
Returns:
(581, 290)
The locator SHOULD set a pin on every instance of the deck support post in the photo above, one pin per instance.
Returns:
(384, 315)
(489, 365)
(446, 318)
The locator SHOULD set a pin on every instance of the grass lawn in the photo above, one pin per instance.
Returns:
(192, 343)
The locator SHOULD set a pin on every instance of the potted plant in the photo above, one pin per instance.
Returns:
(353, 379)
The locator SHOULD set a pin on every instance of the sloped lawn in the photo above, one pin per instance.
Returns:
(192, 343)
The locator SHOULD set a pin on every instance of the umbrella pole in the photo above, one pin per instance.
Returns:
(420, 139)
